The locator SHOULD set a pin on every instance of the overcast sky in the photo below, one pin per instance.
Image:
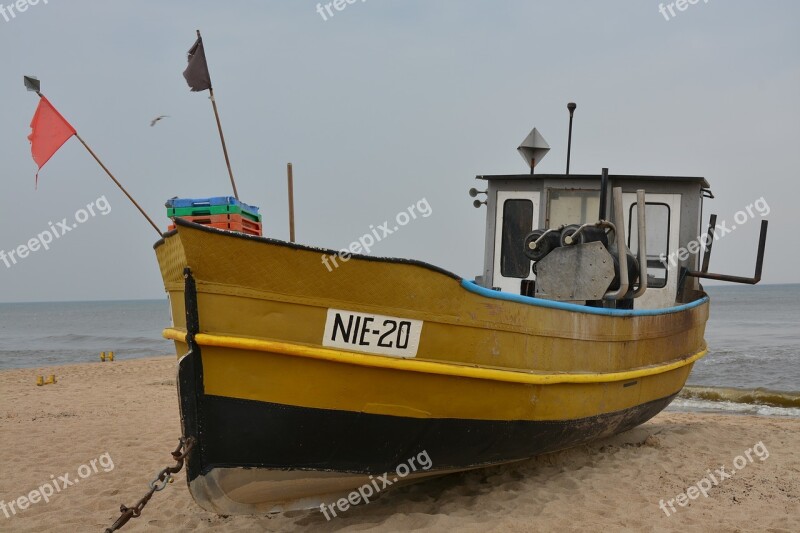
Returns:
(381, 105)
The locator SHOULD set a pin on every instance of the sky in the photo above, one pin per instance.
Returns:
(383, 105)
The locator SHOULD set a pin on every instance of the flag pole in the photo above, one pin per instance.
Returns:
(110, 175)
(290, 177)
(219, 127)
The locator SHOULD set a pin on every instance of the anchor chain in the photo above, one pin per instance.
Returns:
(159, 482)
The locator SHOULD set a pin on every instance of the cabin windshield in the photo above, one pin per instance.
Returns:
(572, 206)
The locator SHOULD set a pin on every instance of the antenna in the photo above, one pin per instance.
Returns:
(571, 108)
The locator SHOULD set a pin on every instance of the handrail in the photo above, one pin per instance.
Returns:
(762, 242)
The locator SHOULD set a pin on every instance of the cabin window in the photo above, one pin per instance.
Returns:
(572, 206)
(657, 220)
(517, 223)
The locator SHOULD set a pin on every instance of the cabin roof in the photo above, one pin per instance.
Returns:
(680, 179)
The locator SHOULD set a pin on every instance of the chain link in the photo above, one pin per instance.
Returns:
(158, 484)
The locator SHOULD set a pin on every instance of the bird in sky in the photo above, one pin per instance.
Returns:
(153, 122)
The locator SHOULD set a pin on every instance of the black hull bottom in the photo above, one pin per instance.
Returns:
(252, 434)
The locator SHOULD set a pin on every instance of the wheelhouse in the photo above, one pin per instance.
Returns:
(518, 205)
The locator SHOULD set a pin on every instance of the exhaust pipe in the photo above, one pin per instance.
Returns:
(642, 252)
(622, 251)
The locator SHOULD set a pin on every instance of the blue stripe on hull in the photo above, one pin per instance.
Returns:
(471, 286)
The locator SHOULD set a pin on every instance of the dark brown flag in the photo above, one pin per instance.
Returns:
(196, 73)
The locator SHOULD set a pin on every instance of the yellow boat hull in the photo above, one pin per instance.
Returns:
(286, 420)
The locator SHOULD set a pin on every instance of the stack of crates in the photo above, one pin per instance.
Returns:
(222, 212)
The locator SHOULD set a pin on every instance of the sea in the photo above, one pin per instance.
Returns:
(48, 334)
(753, 361)
(753, 335)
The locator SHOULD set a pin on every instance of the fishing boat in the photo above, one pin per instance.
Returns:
(300, 384)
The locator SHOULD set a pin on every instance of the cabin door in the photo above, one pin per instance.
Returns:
(517, 215)
(663, 220)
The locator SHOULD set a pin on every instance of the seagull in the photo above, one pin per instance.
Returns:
(153, 122)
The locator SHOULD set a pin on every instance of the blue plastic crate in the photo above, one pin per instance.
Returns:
(207, 202)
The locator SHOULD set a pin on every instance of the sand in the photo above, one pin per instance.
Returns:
(126, 412)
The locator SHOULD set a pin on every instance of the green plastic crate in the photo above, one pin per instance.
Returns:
(211, 210)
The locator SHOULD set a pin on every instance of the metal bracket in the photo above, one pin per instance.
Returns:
(712, 223)
(762, 241)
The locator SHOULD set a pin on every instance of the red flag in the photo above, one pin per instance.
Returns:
(49, 132)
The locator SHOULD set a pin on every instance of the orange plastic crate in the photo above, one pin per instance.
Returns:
(232, 222)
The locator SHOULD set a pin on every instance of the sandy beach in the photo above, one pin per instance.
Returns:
(109, 427)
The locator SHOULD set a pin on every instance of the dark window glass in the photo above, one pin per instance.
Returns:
(517, 223)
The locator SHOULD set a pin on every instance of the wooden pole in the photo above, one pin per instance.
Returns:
(219, 127)
(224, 147)
(290, 177)
(110, 175)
